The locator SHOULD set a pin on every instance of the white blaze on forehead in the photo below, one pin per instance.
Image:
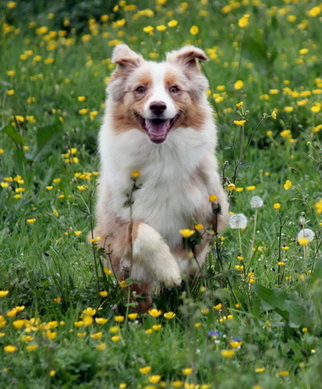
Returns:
(159, 91)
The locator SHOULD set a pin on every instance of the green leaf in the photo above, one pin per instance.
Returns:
(317, 272)
(290, 306)
(13, 134)
(45, 137)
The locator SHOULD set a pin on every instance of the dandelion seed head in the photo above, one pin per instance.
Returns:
(256, 202)
(306, 233)
(238, 221)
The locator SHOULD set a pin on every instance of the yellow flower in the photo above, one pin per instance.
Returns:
(260, 370)
(119, 319)
(177, 384)
(231, 187)
(283, 373)
(286, 134)
(49, 61)
(4, 293)
(148, 29)
(194, 30)
(227, 353)
(239, 122)
(154, 379)
(12, 4)
(243, 22)
(145, 370)
(287, 185)
(173, 23)
(95, 240)
(235, 344)
(157, 327)
(83, 111)
(218, 307)
(274, 114)
(52, 373)
(12, 313)
(30, 221)
(10, 349)
(107, 271)
(199, 227)
(132, 316)
(277, 206)
(81, 98)
(27, 338)
(212, 198)
(162, 27)
(303, 241)
(154, 312)
(187, 371)
(114, 329)
(89, 311)
(281, 263)
(101, 320)
(238, 85)
(250, 188)
(31, 347)
(101, 347)
(169, 315)
(51, 334)
(135, 174)
(318, 206)
(11, 92)
(186, 233)
(19, 323)
(314, 12)
(87, 320)
(97, 335)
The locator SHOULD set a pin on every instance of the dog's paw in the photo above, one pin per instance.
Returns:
(150, 249)
(170, 275)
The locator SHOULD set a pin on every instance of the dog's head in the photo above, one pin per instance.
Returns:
(157, 97)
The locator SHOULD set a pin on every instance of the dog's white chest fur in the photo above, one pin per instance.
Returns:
(169, 195)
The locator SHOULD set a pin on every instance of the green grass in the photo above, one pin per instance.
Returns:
(272, 305)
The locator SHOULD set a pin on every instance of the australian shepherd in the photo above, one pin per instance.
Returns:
(159, 124)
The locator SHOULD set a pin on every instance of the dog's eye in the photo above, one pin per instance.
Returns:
(140, 90)
(174, 89)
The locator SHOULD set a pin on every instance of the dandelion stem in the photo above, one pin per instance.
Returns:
(254, 232)
(240, 243)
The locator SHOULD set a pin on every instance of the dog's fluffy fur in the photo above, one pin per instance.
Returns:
(158, 122)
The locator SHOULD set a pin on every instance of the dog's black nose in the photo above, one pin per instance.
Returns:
(158, 107)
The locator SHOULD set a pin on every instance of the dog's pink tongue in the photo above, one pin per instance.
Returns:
(157, 129)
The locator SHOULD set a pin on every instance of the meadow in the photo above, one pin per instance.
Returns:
(254, 318)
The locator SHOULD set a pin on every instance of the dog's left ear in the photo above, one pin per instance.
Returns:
(188, 56)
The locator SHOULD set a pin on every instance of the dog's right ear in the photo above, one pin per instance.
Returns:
(126, 58)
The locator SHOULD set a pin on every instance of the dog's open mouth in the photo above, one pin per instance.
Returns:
(157, 129)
